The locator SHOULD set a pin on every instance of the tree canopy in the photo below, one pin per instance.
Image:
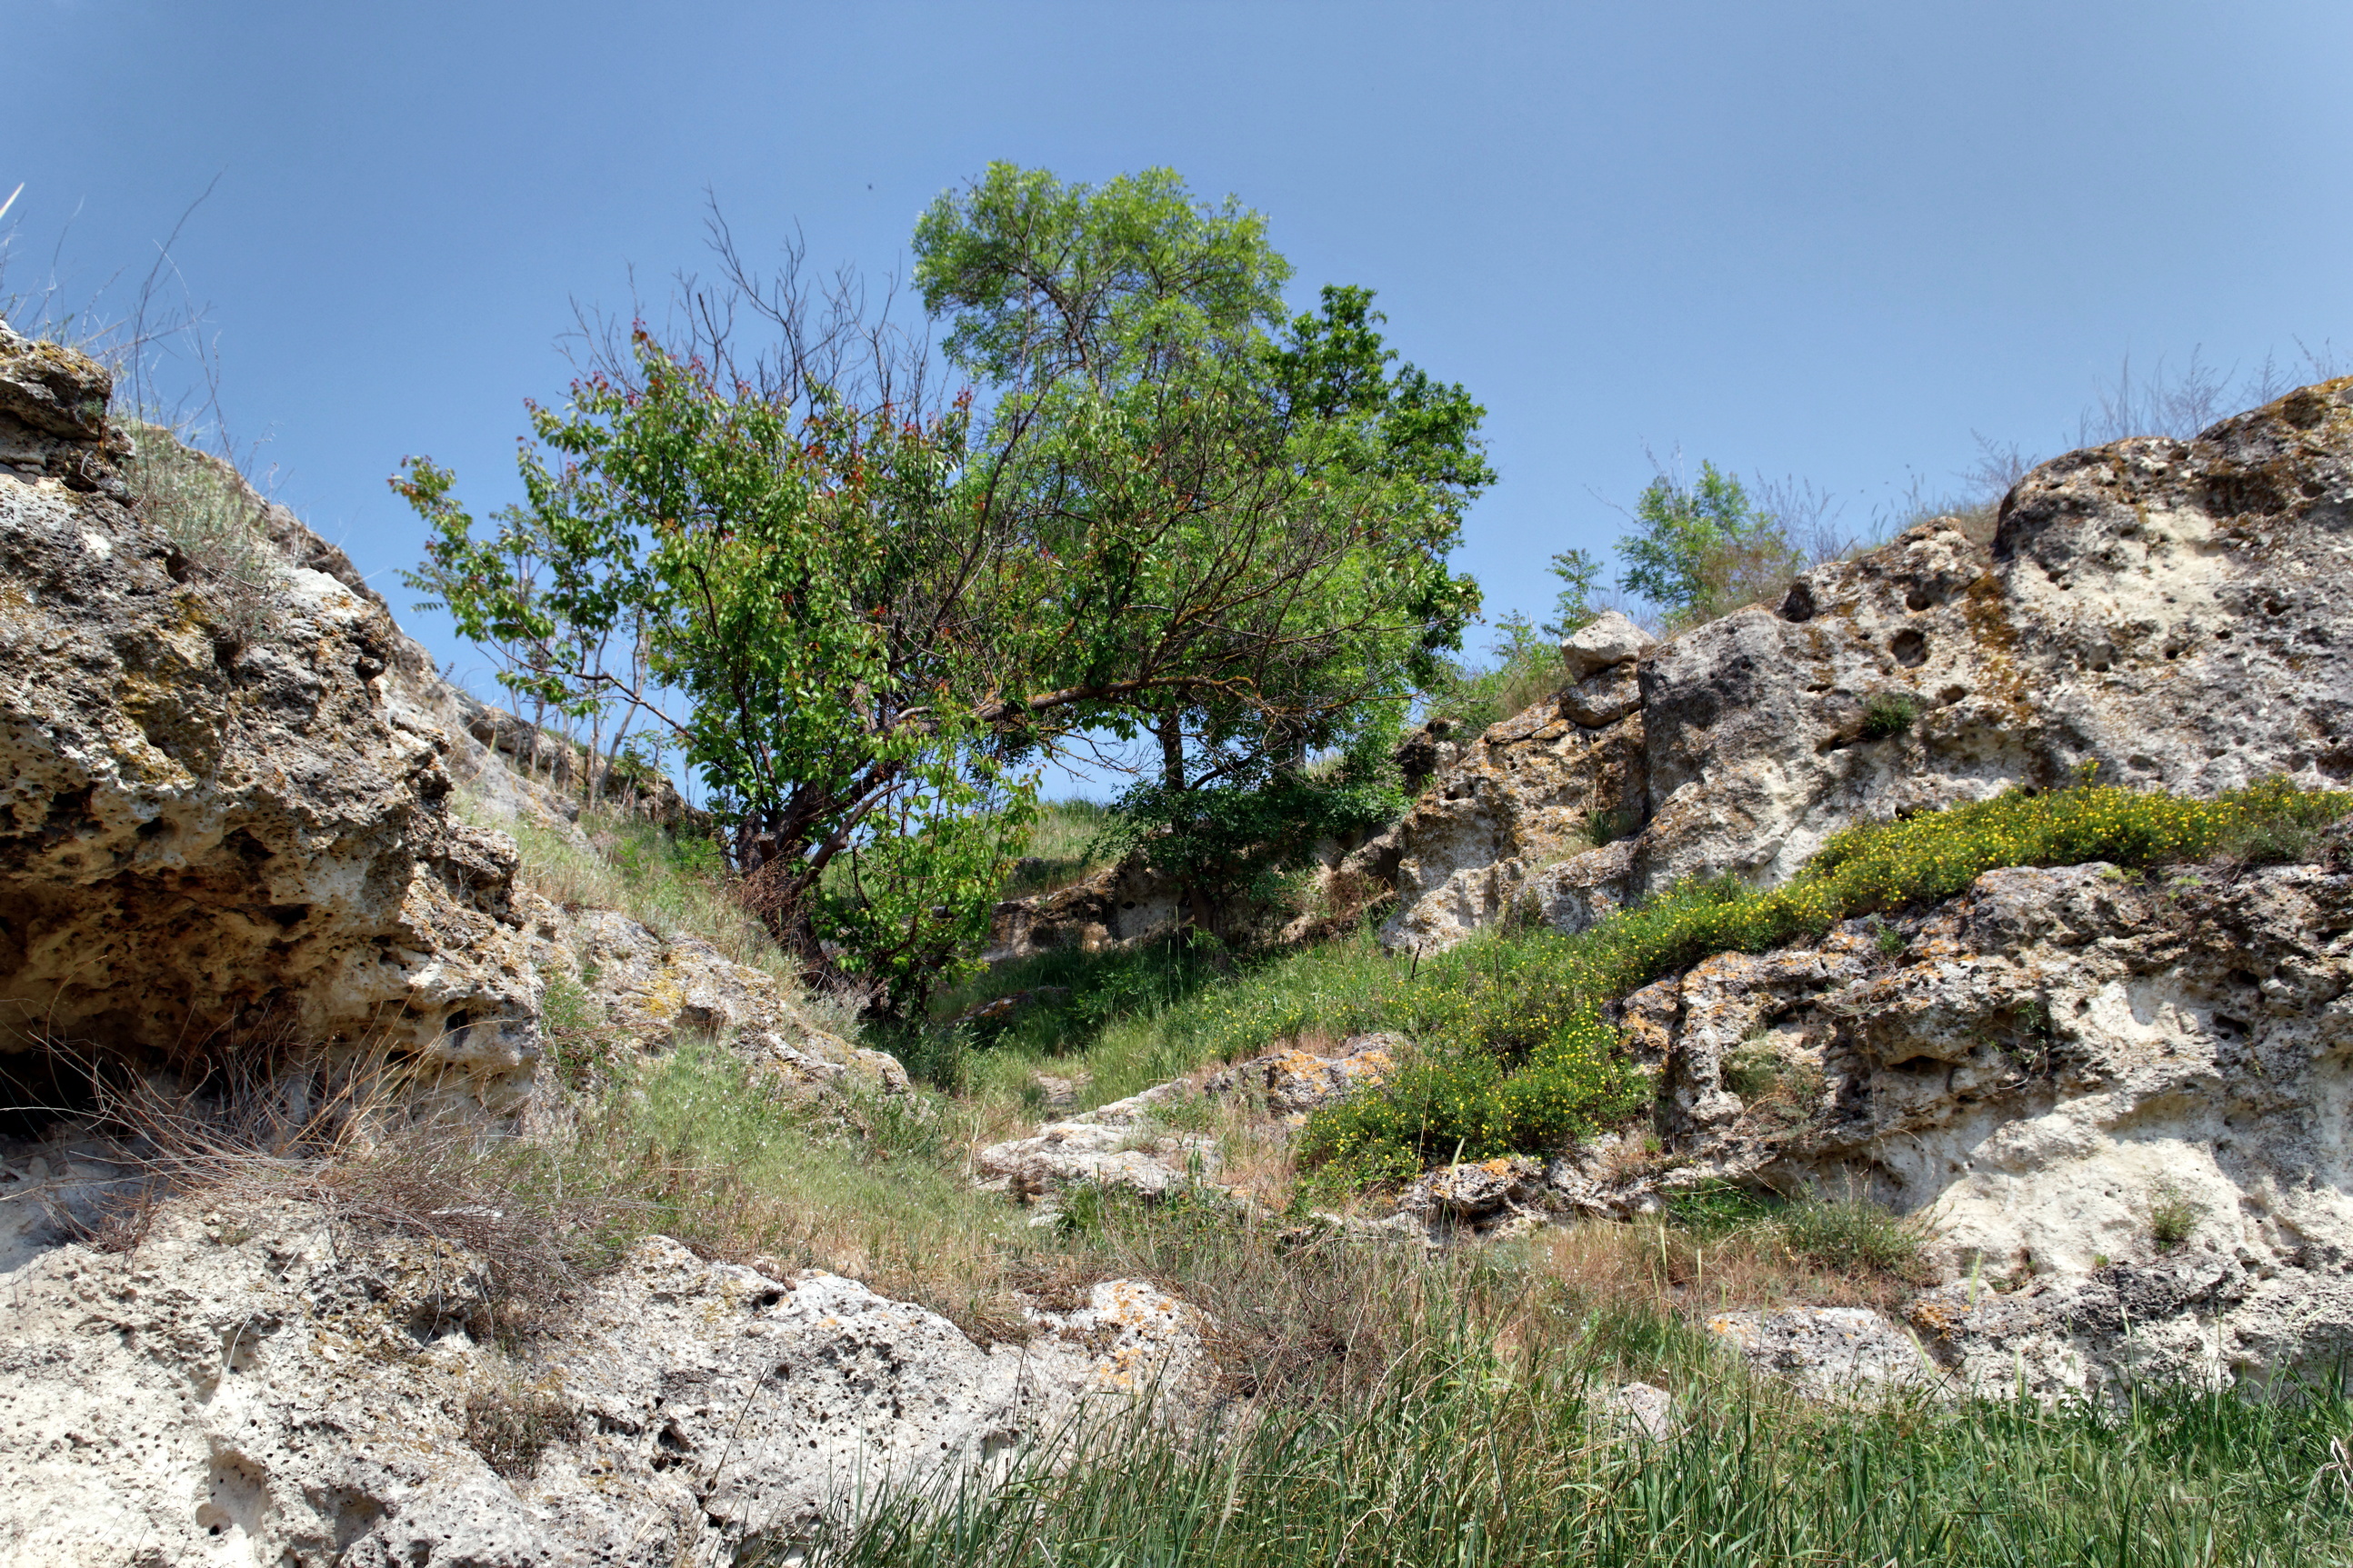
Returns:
(1160, 507)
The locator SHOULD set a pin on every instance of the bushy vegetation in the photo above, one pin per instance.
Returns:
(1517, 1057)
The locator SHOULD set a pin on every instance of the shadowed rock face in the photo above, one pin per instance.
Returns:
(2168, 610)
(203, 839)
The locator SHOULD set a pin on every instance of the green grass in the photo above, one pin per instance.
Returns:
(1465, 1454)
(1515, 1056)
(1061, 847)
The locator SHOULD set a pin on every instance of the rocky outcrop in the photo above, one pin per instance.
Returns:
(1115, 906)
(2117, 1106)
(2165, 611)
(229, 834)
(260, 1388)
(207, 838)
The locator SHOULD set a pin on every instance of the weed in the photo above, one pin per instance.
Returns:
(510, 1425)
(1889, 940)
(212, 516)
(2173, 1216)
(1887, 714)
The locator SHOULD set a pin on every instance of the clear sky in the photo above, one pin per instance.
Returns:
(1831, 240)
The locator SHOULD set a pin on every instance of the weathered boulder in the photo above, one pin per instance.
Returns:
(1608, 640)
(207, 837)
(658, 994)
(262, 1387)
(2116, 1105)
(2163, 610)
(1124, 1144)
(1294, 1081)
(1830, 1352)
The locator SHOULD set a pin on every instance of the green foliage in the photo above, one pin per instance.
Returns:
(1501, 1006)
(1579, 572)
(1700, 551)
(1230, 839)
(1887, 714)
(1166, 507)
(1525, 670)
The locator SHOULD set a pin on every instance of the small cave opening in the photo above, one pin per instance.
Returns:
(41, 1091)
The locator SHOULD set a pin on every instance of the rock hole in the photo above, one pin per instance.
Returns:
(2247, 977)
(1910, 648)
(1799, 603)
(1921, 599)
(765, 1299)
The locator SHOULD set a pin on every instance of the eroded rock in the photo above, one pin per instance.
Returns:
(258, 1387)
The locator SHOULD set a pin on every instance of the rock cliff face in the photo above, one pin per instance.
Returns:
(221, 841)
(2168, 610)
(206, 838)
(2110, 1098)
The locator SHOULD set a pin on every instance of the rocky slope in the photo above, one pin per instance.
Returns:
(2167, 610)
(216, 841)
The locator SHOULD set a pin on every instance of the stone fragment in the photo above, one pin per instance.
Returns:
(1609, 638)
(1829, 1352)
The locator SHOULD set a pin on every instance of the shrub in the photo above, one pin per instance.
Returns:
(1889, 714)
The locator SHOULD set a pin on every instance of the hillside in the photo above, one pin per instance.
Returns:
(1901, 1023)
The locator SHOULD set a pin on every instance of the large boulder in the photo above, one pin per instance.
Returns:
(258, 1385)
(211, 834)
(2114, 1108)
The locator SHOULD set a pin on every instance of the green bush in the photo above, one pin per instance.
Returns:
(1889, 714)
(1518, 1058)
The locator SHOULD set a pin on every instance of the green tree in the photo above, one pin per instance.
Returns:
(1163, 508)
(1702, 550)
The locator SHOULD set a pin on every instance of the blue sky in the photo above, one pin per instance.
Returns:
(1827, 240)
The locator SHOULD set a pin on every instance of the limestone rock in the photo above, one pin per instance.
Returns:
(1296, 1082)
(1117, 1145)
(2106, 1101)
(2159, 608)
(1609, 638)
(1829, 1353)
(1473, 1191)
(204, 839)
(260, 1388)
(1640, 1410)
(660, 993)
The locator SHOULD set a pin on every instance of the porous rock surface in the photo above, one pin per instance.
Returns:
(212, 842)
(200, 837)
(2052, 1064)
(2171, 611)
(266, 1389)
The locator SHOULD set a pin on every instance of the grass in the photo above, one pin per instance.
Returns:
(673, 885)
(1515, 1056)
(206, 508)
(1470, 1452)
(1061, 848)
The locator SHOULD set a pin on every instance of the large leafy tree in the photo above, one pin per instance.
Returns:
(1161, 507)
